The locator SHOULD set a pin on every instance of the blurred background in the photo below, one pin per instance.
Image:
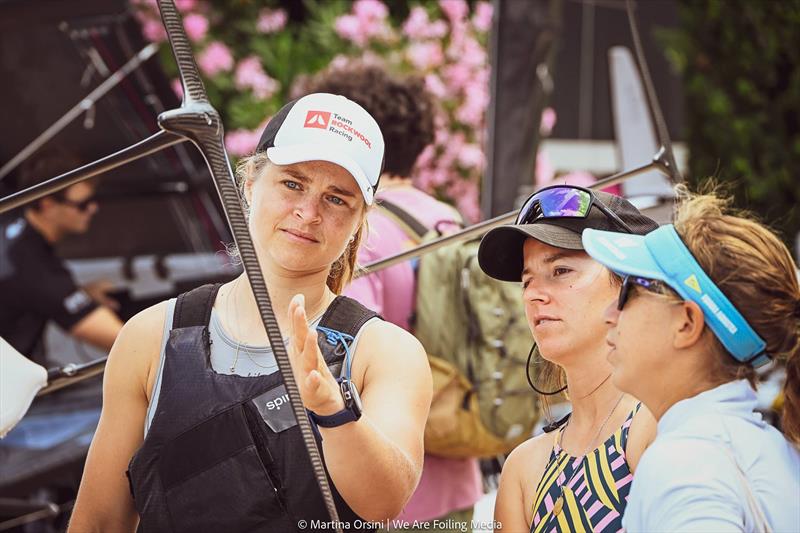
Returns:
(529, 93)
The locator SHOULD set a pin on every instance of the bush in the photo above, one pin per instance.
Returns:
(739, 61)
(251, 56)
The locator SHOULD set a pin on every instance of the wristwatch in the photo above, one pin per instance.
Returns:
(351, 411)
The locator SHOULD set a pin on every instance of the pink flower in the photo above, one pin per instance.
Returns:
(250, 75)
(177, 87)
(482, 19)
(434, 85)
(425, 55)
(196, 26)
(271, 21)
(428, 179)
(437, 30)
(472, 53)
(416, 24)
(465, 194)
(185, 5)
(370, 10)
(452, 149)
(154, 31)
(455, 10)
(241, 142)
(473, 108)
(548, 121)
(456, 76)
(419, 26)
(349, 28)
(339, 62)
(471, 157)
(442, 135)
(426, 156)
(215, 58)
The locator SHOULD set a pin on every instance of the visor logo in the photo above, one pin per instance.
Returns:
(692, 283)
(317, 119)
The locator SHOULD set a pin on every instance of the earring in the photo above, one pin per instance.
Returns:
(353, 238)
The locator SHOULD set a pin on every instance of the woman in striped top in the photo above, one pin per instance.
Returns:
(575, 478)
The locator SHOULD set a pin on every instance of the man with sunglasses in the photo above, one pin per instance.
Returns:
(35, 285)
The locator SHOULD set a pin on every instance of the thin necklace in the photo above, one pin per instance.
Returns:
(242, 345)
(560, 501)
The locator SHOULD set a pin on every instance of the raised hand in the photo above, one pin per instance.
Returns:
(318, 387)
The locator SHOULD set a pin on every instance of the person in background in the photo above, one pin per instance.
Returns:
(35, 285)
(703, 303)
(449, 488)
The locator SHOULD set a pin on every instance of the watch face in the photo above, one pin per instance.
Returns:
(352, 400)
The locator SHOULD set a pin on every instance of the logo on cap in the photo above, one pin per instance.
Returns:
(317, 119)
(692, 282)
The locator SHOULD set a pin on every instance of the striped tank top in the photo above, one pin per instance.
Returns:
(597, 487)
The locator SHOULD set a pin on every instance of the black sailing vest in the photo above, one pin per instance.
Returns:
(209, 461)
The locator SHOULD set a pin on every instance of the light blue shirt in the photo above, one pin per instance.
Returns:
(686, 481)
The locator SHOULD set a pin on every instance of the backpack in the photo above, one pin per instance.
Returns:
(475, 332)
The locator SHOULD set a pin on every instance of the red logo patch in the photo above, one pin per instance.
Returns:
(317, 119)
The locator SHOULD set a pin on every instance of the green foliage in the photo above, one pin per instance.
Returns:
(739, 60)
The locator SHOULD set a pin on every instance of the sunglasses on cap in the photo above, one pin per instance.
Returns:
(564, 201)
(82, 205)
(651, 285)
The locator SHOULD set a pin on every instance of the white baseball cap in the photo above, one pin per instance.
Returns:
(327, 127)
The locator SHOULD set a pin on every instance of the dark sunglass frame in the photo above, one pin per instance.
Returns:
(648, 284)
(524, 216)
(82, 206)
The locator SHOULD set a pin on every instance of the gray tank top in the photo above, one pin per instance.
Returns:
(250, 361)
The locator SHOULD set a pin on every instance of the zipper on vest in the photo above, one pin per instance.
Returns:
(256, 426)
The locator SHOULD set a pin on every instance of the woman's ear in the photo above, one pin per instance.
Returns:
(248, 190)
(690, 323)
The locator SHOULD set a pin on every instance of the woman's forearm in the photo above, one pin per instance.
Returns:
(372, 473)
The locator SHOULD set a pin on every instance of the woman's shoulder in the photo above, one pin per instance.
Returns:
(641, 434)
(138, 344)
(147, 322)
(533, 449)
(384, 334)
(529, 459)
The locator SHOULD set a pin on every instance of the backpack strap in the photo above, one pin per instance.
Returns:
(410, 225)
(193, 308)
(346, 316)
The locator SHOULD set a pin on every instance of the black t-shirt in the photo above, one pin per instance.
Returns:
(35, 287)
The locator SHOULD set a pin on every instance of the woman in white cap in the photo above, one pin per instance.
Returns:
(195, 415)
(705, 302)
(577, 475)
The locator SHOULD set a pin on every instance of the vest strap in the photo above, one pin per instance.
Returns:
(193, 308)
(346, 316)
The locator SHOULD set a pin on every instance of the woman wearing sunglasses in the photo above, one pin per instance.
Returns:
(576, 477)
(705, 302)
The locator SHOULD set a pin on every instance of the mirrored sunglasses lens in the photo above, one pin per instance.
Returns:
(564, 202)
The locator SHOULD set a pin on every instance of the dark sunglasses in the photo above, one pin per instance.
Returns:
(564, 201)
(83, 205)
(651, 285)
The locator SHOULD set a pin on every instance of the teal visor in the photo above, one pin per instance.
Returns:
(661, 255)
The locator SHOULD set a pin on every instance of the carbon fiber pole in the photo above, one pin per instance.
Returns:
(652, 98)
(476, 230)
(154, 143)
(197, 120)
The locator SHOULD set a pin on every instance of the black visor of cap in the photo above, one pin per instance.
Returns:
(500, 253)
(273, 126)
